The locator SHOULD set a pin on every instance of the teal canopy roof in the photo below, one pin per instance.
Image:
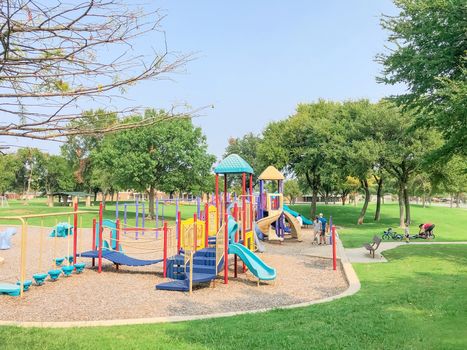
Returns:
(233, 164)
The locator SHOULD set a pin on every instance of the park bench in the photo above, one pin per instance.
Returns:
(371, 247)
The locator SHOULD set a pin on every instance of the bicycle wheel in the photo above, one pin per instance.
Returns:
(385, 237)
(399, 237)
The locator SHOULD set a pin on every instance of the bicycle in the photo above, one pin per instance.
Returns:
(391, 234)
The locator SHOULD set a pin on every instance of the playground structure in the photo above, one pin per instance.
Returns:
(272, 214)
(61, 264)
(192, 251)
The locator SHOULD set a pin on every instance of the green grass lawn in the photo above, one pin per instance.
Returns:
(39, 206)
(451, 223)
(416, 301)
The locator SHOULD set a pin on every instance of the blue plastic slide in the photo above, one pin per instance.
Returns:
(257, 266)
(295, 214)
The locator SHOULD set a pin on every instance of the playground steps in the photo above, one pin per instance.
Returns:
(204, 270)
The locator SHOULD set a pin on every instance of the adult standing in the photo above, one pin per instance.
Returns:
(323, 222)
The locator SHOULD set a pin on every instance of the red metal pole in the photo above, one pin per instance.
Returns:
(217, 202)
(93, 245)
(226, 235)
(99, 260)
(75, 232)
(206, 224)
(165, 249)
(195, 232)
(334, 257)
(244, 207)
(179, 231)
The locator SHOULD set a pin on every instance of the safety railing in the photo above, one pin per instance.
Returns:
(220, 244)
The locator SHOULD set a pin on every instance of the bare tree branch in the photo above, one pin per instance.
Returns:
(58, 58)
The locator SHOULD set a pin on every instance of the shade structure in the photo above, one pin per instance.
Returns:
(271, 173)
(233, 164)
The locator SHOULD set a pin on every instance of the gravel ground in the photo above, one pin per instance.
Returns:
(130, 292)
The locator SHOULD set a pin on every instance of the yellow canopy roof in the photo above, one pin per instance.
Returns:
(271, 173)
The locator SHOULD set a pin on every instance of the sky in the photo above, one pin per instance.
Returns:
(256, 60)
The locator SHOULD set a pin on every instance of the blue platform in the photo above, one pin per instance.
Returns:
(119, 258)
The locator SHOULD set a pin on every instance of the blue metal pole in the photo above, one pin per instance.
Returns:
(143, 216)
(157, 213)
(116, 210)
(124, 215)
(137, 216)
(198, 204)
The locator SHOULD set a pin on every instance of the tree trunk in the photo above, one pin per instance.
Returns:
(314, 199)
(407, 205)
(379, 181)
(95, 195)
(313, 182)
(152, 192)
(424, 200)
(104, 194)
(450, 202)
(364, 184)
(401, 205)
(344, 198)
(458, 197)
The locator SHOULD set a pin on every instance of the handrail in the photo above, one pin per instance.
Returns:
(190, 276)
(19, 217)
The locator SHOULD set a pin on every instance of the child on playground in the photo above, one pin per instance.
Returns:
(300, 220)
(323, 222)
(316, 229)
(406, 233)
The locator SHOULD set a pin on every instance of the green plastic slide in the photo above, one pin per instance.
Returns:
(257, 266)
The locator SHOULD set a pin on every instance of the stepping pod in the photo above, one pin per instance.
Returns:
(80, 267)
(39, 278)
(70, 259)
(26, 285)
(54, 274)
(59, 261)
(67, 270)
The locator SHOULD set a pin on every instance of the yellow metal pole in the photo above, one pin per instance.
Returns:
(22, 272)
